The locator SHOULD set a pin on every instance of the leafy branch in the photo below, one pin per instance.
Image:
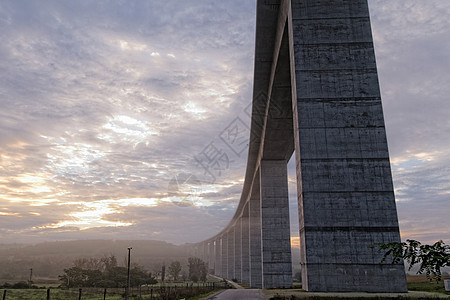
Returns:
(430, 257)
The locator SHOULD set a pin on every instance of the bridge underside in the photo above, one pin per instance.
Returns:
(316, 92)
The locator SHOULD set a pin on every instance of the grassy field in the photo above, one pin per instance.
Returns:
(415, 283)
(180, 290)
(55, 294)
(421, 283)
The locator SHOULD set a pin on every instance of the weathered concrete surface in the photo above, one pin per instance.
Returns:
(224, 254)
(275, 230)
(346, 197)
(245, 231)
(255, 237)
(211, 257)
(238, 250)
(230, 234)
(217, 257)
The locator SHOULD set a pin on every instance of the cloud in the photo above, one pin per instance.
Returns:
(413, 64)
(105, 102)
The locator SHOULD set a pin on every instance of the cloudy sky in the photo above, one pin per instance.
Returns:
(111, 110)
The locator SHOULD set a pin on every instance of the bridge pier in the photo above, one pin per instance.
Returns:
(255, 236)
(217, 257)
(245, 254)
(230, 251)
(238, 250)
(211, 257)
(224, 251)
(205, 252)
(275, 230)
(346, 197)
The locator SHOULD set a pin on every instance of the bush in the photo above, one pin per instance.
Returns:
(6, 286)
(20, 285)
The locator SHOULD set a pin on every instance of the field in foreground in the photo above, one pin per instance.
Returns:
(419, 289)
(421, 283)
(166, 291)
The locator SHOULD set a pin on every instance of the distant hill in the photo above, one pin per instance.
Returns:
(48, 259)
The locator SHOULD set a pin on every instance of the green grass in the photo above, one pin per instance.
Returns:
(97, 293)
(433, 287)
(55, 294)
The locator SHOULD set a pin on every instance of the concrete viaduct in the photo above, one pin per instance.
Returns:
(316, 92)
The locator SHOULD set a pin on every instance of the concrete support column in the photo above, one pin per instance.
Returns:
(231, 258)
(224, 250)
(211, 257)
(255, 235)
(345, 192)
(245, 254)
(275, 226)
(205, 252)
(217, 258)
(196, 250)
(238, 250)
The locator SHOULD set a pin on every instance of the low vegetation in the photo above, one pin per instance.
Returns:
(93, 278)
(430, 258)
(423, 284)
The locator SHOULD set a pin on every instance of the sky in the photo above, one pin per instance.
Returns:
(115, 116)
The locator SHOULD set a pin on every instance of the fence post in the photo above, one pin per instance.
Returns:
(151, 294)
(140, 292)
(4, 294)
(48, 294)
(79, 294)
(104, 294)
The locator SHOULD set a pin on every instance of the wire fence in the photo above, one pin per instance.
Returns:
(163, 292)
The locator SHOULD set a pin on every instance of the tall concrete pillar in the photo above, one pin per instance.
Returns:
(345, 192)
(245, 234)
(224, 251)
(238, 250)
(196, 250)
(211, 257)
(255, 235)
(275, 226)
(205, 252)
(231, 257)
(218, 258)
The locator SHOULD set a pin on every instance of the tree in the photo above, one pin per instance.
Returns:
(92, 278)
(430, 257)
(138, 276)
(163, 273)
(175, 269)
(109, 262)
(73, 277)
(118, 275)
(103, 273)
(151, 279)
(197, 269)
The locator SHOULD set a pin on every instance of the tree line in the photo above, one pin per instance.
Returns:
(106, 273)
